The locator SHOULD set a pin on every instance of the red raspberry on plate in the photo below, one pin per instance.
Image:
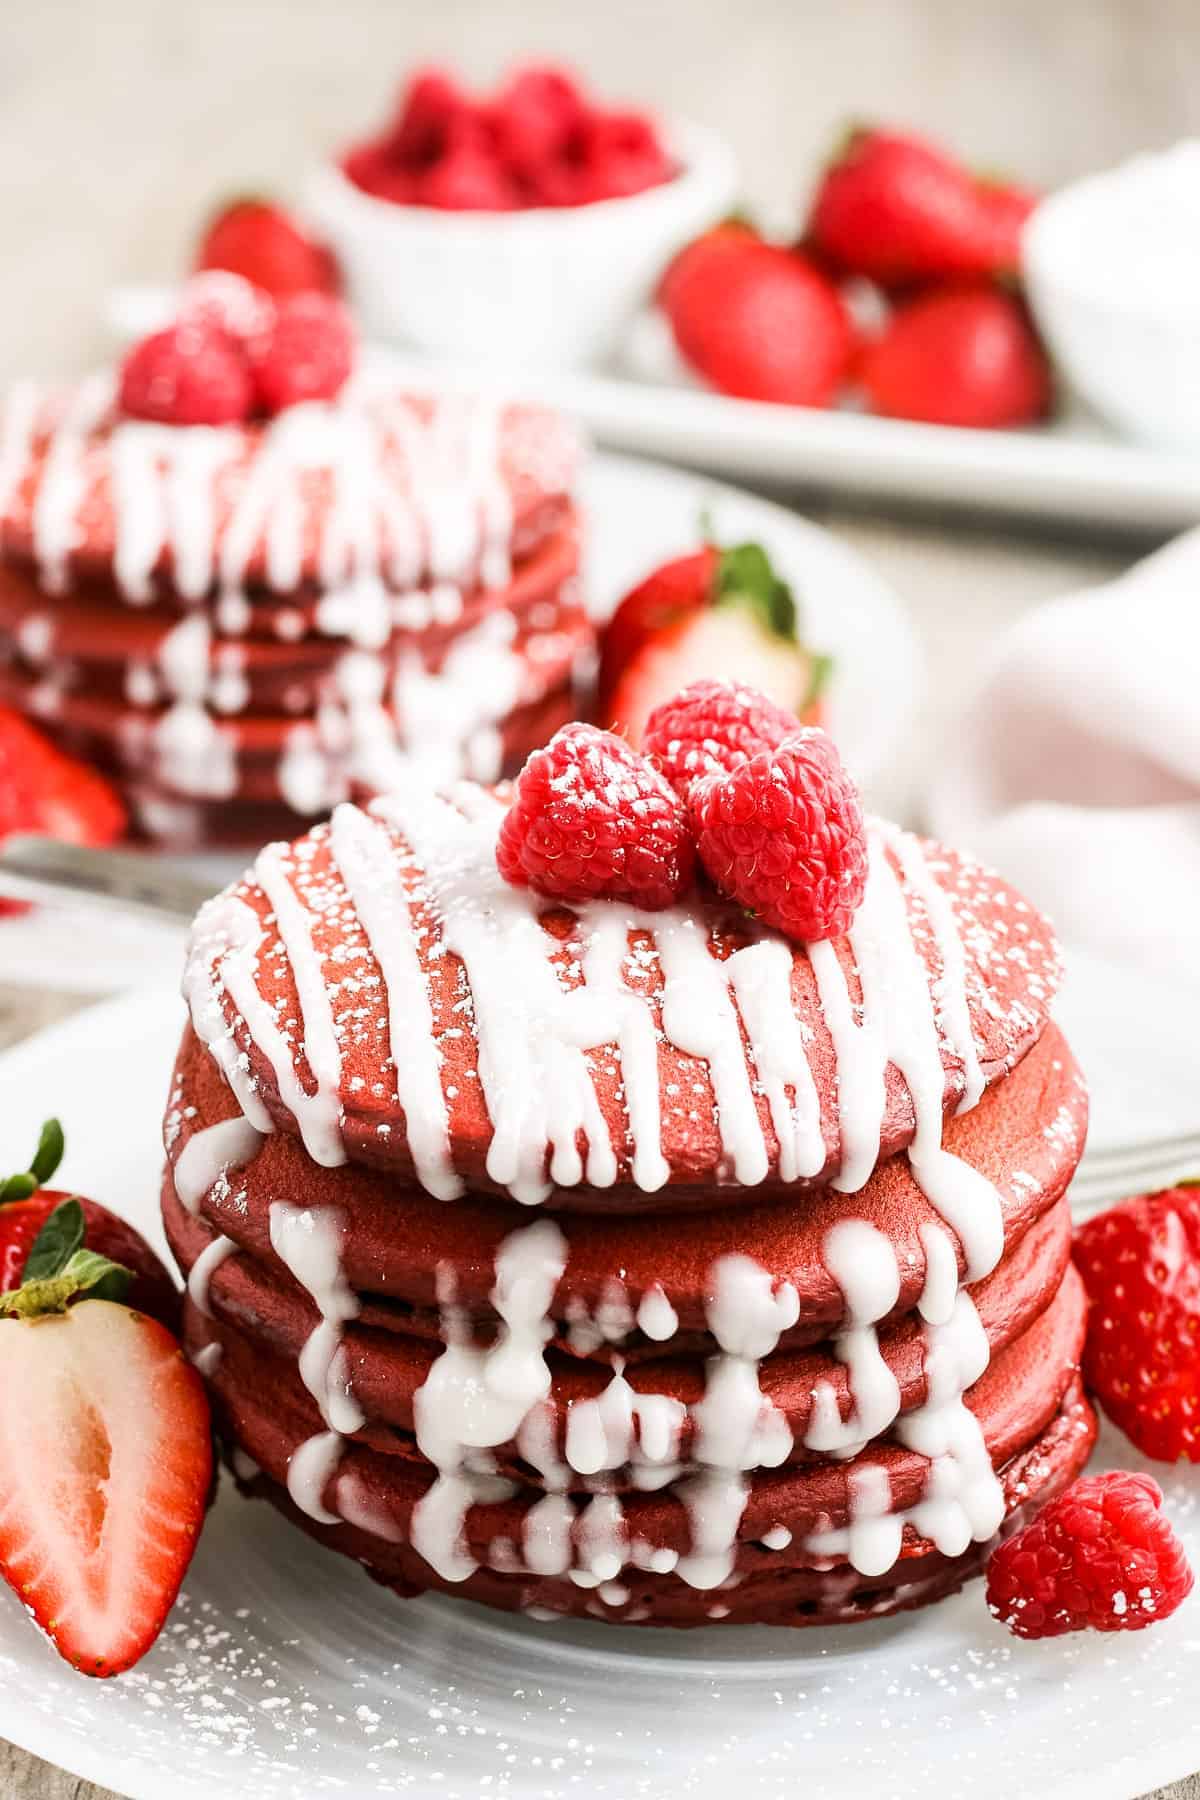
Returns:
(1101, 1557)
(591, 819)
(189, 374)
(782, 834)
(1140, 1263)
(711, 727)
(307, 354)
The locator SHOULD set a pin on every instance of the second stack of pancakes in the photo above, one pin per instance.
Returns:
(648, 1267)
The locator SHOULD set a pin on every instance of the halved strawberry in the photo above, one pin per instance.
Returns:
(43, 790)
(25, 1206)
(105, 1455)
(720, 612)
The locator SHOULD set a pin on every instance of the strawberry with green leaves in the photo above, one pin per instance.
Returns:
(25, 1206)
(721, 612)
(105, 1452)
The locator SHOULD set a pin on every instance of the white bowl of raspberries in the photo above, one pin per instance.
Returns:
(524, 228)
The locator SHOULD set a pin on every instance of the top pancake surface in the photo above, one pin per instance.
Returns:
(504, 1018)
(409, 486)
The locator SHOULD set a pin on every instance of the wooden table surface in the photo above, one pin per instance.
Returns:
(122, 121)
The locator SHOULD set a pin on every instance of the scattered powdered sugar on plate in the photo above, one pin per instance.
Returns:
(285, 1673)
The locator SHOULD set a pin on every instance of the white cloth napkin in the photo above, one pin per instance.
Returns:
(1075, 770)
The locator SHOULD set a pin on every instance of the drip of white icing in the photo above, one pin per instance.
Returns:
(475, 1399)
(656, 1317)
(318, 1114)
(203, 1270)
(899, 1027)
(207, 1359)
(16, 438)
(64, 480)
(737, 1428)
(778, 1538)
(309, 1241)
(368, 865)
(210, 1154)
(224, 944)
(310, 1469)
(862, 1262)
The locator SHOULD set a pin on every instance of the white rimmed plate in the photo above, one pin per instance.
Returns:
(285, 1673)
(640, 513)
(1073, 471)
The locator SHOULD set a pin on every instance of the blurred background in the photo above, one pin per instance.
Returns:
(122, 122)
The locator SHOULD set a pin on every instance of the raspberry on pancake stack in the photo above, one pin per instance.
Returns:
(239, 620)
(644, 1264)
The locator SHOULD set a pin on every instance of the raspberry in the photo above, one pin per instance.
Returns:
(186, 375)
(782, 833)
(711, 727)
(1101, 1557)
(533, 118)
(306, 355)
(1140, 1263)
(219, 300)
(591, 819)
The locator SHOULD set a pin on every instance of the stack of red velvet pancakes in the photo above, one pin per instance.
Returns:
(242, 622)
(648, 1266)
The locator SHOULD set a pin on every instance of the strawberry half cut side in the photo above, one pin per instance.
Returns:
(105, 1455)
(722, 613)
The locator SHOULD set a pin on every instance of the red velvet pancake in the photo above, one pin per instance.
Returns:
(1015, 1402)
(395, 1237)
(1005, 956)
(773, 1588)
(647, 1265)
(386, 1365)
(203, 754)
(144, 657)
(242, 626)
(90, 494)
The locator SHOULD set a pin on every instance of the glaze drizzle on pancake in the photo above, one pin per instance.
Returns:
(410, 888)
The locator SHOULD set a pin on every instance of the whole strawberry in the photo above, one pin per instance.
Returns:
(964, 355)
(722, 611)
(782, 833)
(189, 374)
(260, 241)
(762, 323)
(711, 727)
(590, 819)
(1140, 1263)
(1101, 1557)
(900, 210)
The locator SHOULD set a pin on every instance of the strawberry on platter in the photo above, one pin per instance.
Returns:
(258, 240)
(106, 1460)
(900, 210)
(719, 612)
(963, 354)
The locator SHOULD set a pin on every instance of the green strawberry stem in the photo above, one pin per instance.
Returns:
(60, 1268)
(46, 1159)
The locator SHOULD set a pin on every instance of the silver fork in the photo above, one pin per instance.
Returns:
(42, 869)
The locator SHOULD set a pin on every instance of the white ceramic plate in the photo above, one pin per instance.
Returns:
(640, 513)
(1073, 471)
(285, 1673)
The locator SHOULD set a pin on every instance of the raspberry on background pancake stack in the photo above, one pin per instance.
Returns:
(650, 1267)
(242, 622)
